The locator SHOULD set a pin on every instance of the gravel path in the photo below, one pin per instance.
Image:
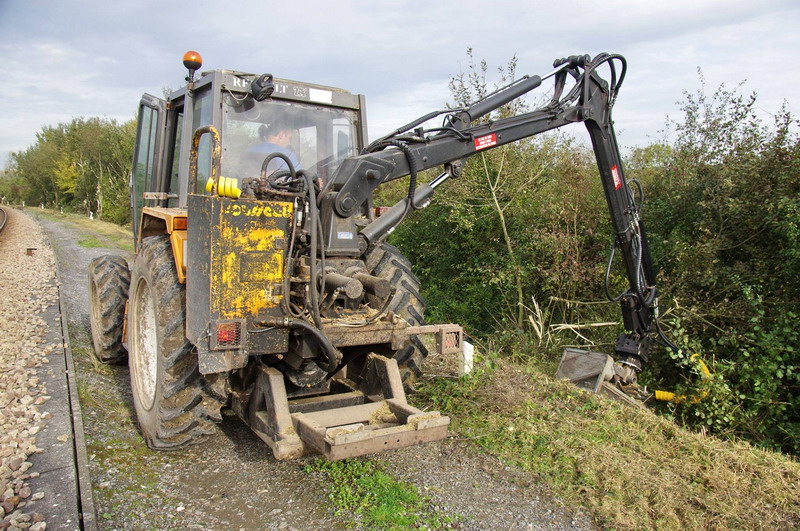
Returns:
(27, 293)
(233, 482)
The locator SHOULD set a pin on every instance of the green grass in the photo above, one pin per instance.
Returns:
(630, 468)
(378, 501)
(90, 242)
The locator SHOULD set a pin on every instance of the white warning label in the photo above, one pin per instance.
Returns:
(483, 142)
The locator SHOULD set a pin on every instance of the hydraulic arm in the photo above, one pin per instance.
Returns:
(466, 131)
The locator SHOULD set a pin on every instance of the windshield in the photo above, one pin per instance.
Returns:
(314, 138)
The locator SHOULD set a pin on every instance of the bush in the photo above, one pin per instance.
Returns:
(723, 221)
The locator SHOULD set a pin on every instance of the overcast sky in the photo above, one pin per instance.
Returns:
(67, 58)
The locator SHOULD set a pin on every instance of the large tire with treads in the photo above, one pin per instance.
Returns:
(109, 279)
(386, 261)
(174, 403)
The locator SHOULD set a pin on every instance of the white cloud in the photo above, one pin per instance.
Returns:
(96, 58)
(394, 109)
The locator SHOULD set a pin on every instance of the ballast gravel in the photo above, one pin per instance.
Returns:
(27, 289)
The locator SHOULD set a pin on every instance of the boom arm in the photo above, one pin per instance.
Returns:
(589, 101)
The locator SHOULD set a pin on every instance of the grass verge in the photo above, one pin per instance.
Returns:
(376, 499)
(101, 233)
(90, 242)
(630, 468)
(125, 474)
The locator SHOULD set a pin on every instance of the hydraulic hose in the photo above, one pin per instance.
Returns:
(332, 354)
(668, 396)
(412, 172)
(645, 293)
(313, 214)
(419, 121)
(281, 156)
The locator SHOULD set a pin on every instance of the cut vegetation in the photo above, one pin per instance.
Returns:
(630, 468)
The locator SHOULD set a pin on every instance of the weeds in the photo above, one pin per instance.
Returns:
(378, 500)
(90, 242)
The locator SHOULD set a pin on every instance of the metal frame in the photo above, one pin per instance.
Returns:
(338, 426)
(157, 148)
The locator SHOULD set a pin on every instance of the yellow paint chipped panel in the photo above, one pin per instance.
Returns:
(264, 239)
(247, 270)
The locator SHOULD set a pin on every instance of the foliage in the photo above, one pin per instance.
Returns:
(727, 198)
(723, 216)
(515, 250)
(82, 166)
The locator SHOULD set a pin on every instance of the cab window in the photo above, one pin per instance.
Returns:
(319, 137)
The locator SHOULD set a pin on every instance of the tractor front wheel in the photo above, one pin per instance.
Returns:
(109, 279)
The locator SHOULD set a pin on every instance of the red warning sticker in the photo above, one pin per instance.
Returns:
(615, 175)
(483, 142)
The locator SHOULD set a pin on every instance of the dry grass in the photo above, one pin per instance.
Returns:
(631, 468)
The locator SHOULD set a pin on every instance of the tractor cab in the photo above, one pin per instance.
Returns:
(323, 125)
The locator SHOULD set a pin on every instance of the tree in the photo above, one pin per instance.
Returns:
(518, 222)
(83, 165)
(723, 218)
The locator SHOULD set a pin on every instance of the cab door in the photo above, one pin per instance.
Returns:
(148, 157)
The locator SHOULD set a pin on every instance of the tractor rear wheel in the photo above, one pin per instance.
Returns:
(386, 261)
(174, 404)
(109, 280)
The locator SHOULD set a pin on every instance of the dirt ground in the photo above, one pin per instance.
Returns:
(232, 481)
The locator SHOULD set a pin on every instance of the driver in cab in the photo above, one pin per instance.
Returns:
(275, 137)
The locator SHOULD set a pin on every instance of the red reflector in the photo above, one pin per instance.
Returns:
(179, 224)
(227, 333)
(616, 177)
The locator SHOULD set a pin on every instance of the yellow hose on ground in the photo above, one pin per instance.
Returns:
(668, 396)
